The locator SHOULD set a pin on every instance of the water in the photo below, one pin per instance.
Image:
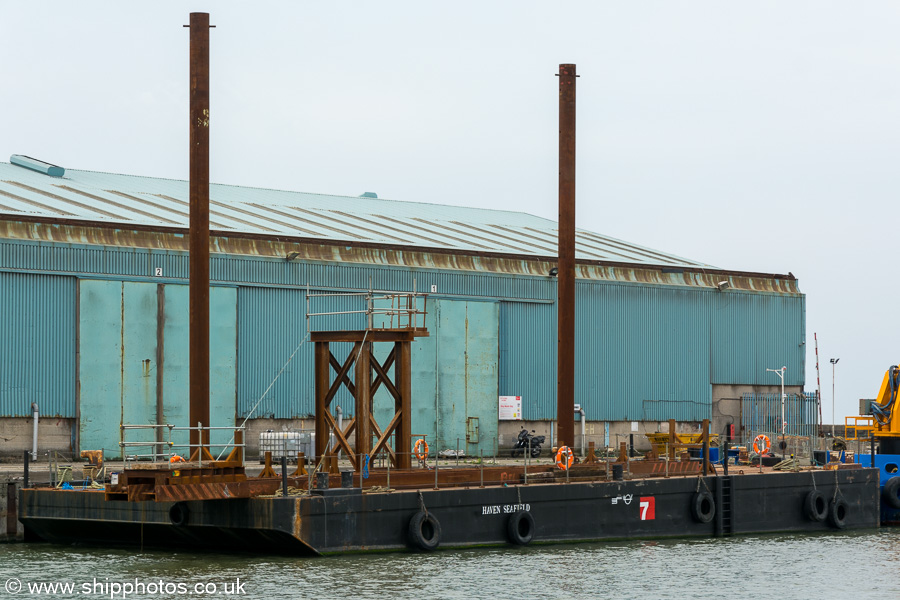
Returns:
(852, 565)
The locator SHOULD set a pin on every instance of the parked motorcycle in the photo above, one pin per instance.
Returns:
(525, 441)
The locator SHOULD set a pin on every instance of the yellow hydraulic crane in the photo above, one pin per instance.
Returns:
(886, 418)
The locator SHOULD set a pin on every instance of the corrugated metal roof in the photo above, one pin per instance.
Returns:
(125, 200)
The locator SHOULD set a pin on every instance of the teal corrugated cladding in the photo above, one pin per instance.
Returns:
(38, 328)
(755, 332)
(271, 325)
(528, 356)
(642, 352)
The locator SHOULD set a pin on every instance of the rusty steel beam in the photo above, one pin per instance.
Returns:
(363, 401)
(403, 376)
(322, 380)
(565, 390)
(371, 335)
(199, 230)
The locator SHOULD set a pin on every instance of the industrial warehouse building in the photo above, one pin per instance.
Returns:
(94, 314)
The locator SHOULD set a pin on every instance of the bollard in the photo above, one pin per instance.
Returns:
(346, 479)
(284, 490)
(618, 472)
(322, 480)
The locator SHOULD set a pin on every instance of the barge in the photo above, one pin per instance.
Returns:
(337, 520)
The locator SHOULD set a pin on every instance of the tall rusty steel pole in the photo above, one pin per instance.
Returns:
(199, 232)
(565, 391)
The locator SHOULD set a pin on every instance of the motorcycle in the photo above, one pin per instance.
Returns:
(527, 440)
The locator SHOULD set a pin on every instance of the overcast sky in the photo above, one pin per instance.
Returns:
(757, 136)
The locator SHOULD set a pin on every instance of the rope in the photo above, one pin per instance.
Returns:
(292, 492)
(519, 494)
(836, 485)
(265, 393)
(813, 475)
(699, 479)
(422, 504)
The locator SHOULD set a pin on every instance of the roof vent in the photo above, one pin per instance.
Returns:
(368, 195)
(36, 165)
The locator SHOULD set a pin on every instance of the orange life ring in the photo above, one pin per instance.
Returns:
(564, 458)
(421, 449)
(176, 459)
(761, 444)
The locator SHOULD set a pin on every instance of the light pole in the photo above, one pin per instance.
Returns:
(780, 373)
(834, 361)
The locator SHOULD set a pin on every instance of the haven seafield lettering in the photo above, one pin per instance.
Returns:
(504, 509)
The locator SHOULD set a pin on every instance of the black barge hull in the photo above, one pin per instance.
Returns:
(347, 520)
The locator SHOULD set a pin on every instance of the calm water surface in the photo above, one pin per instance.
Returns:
(782, 567)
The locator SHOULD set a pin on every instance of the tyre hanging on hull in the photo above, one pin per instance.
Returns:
(424, 531)
(837, 513)
(179, 514)
(891, 492)
(520, 528)
(703, 507)
(815, 507)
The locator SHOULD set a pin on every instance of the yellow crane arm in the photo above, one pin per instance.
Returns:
(888, 419)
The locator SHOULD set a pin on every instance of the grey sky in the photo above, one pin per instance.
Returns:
(757, 136)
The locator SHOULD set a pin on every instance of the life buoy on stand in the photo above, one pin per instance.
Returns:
(176, 459)
(564, 458)
(762, 444)
(421, 449)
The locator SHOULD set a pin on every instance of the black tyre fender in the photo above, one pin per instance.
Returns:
(179, 514)
(837, 512)
(891, 492)
(520, 528)
(815, 507)
(703, 507)
(424, 531)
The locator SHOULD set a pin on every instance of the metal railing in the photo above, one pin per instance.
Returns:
(156, 445)
(404, 306)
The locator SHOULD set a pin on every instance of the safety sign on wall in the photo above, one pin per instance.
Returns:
(510, 408)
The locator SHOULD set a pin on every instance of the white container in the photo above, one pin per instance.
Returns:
(288, 444)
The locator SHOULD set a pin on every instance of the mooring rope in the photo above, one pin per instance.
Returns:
(813, 475)
(836, 485)
(699, 479)
(422, 504)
